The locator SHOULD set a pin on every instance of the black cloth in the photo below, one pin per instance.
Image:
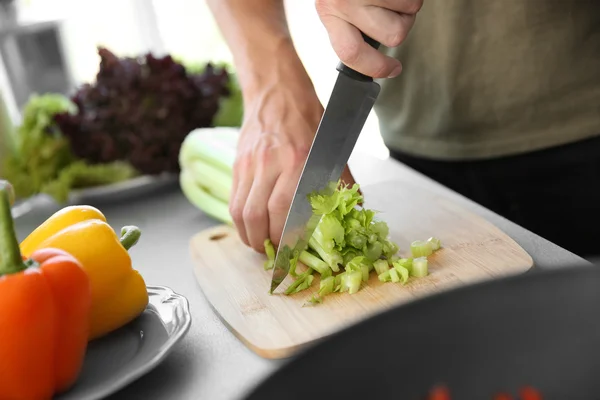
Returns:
(553, 193)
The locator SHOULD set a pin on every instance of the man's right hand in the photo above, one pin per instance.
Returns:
(387, 21)
(282, 114)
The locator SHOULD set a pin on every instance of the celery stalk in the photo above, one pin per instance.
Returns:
(353, 281)
(385, 276)
(365, 272)
(419, 267)
(332, 258)
(302, 283)
(270, 252)
(402, 271)
(380, 266)
(212, 180)
(315, 263)
(420, 248)
(435, 243)
(203, 200)
(394, 275)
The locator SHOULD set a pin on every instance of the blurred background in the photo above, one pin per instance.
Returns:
(51, 46)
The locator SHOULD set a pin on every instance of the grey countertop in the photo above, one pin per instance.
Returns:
(210, 363)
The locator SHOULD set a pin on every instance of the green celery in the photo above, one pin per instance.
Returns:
(332, 258)
(385, 276)
(353, 281)
(402, 271)
(419, 267)
(435, 243)
(374, 251)
(394, 275)
(303, 282)
(380, 266)
(420, 248)
(315, 263)
(270, 252)
(364, 268)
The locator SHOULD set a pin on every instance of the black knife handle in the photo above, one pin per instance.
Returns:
(341, 67)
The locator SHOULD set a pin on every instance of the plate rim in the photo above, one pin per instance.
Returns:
(166, 294)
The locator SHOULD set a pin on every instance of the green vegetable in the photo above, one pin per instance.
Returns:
(40, 150)
(420, 248)
(231, 108)
(270, 252)
(381, 266)
(419, 267)
(43, 162)
(435, 243)
(402, 271)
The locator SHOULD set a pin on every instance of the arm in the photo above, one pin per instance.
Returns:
(281, 115)
(258, 37)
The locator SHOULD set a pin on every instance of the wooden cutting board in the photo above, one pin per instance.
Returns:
(275, 326)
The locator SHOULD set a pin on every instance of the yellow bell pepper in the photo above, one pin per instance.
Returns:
(119, 293)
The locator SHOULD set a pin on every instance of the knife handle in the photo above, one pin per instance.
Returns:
(341, 67)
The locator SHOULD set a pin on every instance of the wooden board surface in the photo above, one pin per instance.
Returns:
(275, 326)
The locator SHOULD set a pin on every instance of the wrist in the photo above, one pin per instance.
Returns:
(273, 66)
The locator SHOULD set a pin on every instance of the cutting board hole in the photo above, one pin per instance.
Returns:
(218, 236)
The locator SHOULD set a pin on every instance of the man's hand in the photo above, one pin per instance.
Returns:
(387, 21)
(280, 122)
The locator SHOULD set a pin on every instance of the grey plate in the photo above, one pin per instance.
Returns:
(102, 195)
(113, 362)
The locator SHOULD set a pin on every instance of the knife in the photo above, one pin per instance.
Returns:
(351, 101)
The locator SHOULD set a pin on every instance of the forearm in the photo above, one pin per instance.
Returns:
(258, 37)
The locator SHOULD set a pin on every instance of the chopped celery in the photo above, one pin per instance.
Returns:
(402, 271)
(270, 252)
(364, 268)
(385, 276)
(315, 263)
(435, 243)
(302, 283)
(381, 229)
(356, 239)
(374, 251)
(394, 275)
(419, 267)
(380, 266)
(373, 238)
(332, 258)
(353, 281)
(389, 248)
(326, 286)
(349, 255)
(420, 248)
(404, 262)
(338, 282)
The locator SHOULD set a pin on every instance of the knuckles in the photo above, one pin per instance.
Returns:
(412, 7)
(348, 51)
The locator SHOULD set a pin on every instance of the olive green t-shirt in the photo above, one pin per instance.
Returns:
(486, 78)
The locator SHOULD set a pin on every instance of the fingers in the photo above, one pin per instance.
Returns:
(256, 214)
(387, 21)
(281, 200)
(388, 27)
(357, 54)
(242, 183)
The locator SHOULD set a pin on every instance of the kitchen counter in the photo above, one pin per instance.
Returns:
(210, 363)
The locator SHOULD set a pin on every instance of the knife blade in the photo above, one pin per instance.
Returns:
(349, 105)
